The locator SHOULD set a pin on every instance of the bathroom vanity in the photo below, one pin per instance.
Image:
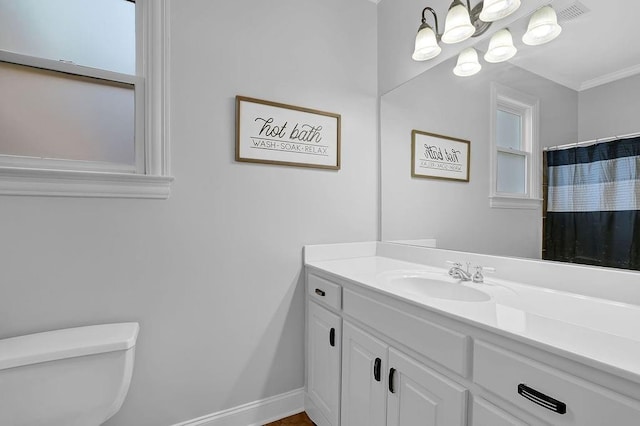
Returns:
(393, 340)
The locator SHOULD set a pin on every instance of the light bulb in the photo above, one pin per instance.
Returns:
(426, 44)
(492, 10)
(468, 64)
(457, 25)
(501, 47)
(543, 27)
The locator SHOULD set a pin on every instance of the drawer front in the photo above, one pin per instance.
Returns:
(324, 291)
(487, 414)
(546, 392)
(444, 346)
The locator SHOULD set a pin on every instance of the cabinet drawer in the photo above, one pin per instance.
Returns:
(487, 414)
(324, 291)
(444, 346)
(546, 392)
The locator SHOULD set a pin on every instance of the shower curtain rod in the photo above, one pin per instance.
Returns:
(590, 142)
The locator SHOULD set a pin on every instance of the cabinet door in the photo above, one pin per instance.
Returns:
(487, 414)
(364, 363)
(420, 396)
(323, 374)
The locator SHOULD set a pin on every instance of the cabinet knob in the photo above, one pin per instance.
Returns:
(376, 369)
(332, 337)
(392, 372)
(319, 292)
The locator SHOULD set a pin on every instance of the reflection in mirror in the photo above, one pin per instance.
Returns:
(592, 102)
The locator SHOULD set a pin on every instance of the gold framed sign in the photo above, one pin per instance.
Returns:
(275, 133)
(439, 157)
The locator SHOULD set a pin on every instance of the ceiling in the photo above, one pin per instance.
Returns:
(594, 48)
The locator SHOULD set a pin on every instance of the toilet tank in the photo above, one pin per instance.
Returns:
(72, 377)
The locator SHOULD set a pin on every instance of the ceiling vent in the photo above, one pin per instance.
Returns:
(571, 12)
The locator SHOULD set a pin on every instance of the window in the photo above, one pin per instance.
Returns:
(515, 156)
(81, 112)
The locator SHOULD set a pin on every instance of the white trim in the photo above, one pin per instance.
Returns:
(64, 183)
(155, 66)
(67, 68)
(255, 413)
(152, 85)
(611, 77)
(313, 411)
(514, 202)
(25, 162)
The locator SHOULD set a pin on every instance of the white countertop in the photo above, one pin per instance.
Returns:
(597, 332)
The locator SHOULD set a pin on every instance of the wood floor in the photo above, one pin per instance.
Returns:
(295, 420)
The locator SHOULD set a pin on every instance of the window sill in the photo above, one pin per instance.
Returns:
(63, 183)
(501, 202)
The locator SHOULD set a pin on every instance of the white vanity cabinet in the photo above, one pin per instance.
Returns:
(487, 414)
(392, 362)
(552, 395)
(420, 396)
(380, 385)
(323, 363)
(364, 378)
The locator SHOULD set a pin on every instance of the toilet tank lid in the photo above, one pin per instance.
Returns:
(67, 343)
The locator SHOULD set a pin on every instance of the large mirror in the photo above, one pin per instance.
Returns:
(587, 83)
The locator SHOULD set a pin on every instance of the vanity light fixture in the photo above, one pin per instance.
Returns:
(461, 22)
(501, 47)
(427, 40)
(468, 64)
(543, 27)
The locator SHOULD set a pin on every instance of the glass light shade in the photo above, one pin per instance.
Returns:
(501, 47)
(467, 63)
(426, 44)
(543, 27)
(457, 26)
(492, 10)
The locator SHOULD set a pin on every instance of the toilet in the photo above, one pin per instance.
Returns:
(72, 377)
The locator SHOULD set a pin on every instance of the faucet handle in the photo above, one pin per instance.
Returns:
(478, 277)
(454, 264)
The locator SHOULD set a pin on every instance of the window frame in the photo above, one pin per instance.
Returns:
(527, 107)
(150, 177)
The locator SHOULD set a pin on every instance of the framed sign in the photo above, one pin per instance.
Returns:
(439, 157)
(274, 133)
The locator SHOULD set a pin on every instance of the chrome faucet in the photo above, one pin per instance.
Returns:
(458, 273)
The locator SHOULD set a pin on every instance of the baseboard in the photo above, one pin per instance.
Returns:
(314, 412)
(255, 413)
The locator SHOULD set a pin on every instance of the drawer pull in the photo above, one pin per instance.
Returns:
(376, 369)
(391, 374)
(542, 399)
(332, 337)
(319, 292)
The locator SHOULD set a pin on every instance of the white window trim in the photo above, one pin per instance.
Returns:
(503, 95)
(29, 176)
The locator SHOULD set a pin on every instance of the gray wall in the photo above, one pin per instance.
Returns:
(213, 274)
(457, 214)
(609, 110)
(398, 23)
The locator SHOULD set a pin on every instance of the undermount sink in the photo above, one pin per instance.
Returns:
(433, 285)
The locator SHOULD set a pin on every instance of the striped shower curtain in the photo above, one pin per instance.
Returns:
(593, 204)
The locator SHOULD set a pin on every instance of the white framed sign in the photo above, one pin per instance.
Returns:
(439, 157)
(274, 133)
